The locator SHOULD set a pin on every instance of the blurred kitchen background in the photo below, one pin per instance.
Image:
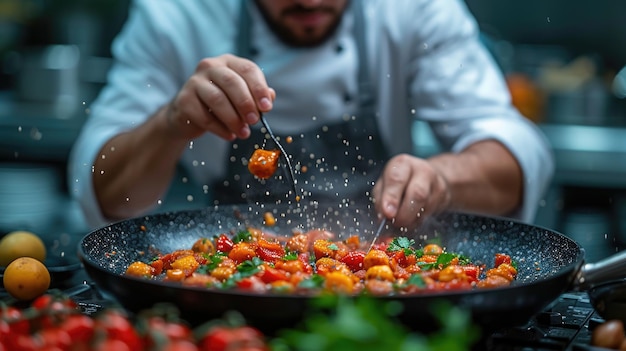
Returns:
(563, 60)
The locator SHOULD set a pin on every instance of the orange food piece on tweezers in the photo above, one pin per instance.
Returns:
(263, 163)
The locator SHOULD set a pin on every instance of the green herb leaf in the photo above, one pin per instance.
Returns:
(333, 247)
(243, 235)
(290, 256)
(402, 243)
(316, 281)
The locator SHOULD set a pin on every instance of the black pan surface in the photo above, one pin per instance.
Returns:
(547, 262)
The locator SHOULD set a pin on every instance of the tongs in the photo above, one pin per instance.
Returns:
(290, 172)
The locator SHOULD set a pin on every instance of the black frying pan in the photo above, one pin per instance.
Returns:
(549, 263)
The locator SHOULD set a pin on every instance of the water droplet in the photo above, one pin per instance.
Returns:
(425, 46)
(190, 198)
(185, 180)
(19, 129)
(548, 19)
(159, 202)
(412, 111)
(101, 172)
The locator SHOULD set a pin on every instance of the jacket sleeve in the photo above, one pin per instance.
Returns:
(459, 90)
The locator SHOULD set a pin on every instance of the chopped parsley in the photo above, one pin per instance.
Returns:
(290, 256)
(245, 269)
(333, 247)
(242, 236)
(213, 261)
(402, 243)
(443, 260)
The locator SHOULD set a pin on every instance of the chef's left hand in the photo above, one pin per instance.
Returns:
(409, 190)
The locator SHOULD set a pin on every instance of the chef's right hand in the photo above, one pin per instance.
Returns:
(224, 96)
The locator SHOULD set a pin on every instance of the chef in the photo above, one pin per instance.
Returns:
(340, 82)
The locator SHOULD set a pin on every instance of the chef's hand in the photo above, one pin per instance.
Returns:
(223, 96)
(409, 190)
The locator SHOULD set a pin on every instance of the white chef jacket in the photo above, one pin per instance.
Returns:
(426, 63)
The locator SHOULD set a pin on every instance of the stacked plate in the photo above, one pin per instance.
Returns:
(29, 196)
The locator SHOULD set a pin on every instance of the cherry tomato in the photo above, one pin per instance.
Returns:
(502, 258)
(223, 243)
(270, 274)
(80, 328)
(113, 344)
(54, 337)
(159, 329)
(18, 323)
(117, 326)
(223, 338)
(53, 309)
(354, 260)
(252, 283)
(180, 345)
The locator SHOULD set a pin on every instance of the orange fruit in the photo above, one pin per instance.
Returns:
(26, 278)
(21, 244)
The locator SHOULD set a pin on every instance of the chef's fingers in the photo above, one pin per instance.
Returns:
(191, 117)
(426, 194)
(244, 84)
(263, 96)
(389, 189)
(219, 104)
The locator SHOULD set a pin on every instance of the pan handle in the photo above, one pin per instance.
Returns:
(611, 268)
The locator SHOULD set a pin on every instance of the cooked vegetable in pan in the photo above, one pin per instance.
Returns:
(313, 262)
(263, 163)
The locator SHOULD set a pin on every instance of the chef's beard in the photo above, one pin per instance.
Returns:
(287, 36)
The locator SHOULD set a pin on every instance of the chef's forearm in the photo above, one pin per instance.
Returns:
(483, 178)
(134, 169)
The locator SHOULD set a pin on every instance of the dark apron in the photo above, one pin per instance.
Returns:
(348, 156)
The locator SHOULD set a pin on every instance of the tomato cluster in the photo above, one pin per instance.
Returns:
(54, 322)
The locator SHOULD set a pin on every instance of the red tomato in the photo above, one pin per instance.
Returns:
(159, 329)
(270, 274)
(113, 344)
(18, 323)
(239, 338)
(269, 255)
(305, 258)
(53, 309)
(180, 345)
(54, 337)
(158, 266)
(472, 272)
(252, 283)
(223, 243)
(354, 260)
(502, 258)
(24, 342)
(79, 327)
(117, 327)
